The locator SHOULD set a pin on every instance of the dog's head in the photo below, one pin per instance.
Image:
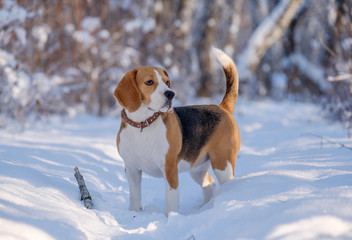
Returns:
(145, 86)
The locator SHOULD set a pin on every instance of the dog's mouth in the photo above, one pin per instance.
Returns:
(167, 105)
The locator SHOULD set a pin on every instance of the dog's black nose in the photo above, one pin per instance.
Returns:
(169, 94)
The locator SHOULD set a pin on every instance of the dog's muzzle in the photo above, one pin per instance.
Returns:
(169, 95)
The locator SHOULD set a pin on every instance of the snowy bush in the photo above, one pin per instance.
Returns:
(339, 105)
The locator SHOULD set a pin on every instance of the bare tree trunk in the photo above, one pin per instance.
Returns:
(265, 35)
(207, 25)
(232, 39)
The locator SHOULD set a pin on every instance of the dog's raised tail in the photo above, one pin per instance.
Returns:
(231, 74)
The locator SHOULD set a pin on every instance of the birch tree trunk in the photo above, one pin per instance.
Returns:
(265, 35)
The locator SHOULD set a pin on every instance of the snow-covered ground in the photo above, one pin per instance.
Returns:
(289, 183)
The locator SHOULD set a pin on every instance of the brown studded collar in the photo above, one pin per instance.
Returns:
(140, 125)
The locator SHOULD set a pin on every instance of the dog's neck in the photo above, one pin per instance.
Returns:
(140, 115)
(143, 124)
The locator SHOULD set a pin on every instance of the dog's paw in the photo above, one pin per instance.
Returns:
(208, 193)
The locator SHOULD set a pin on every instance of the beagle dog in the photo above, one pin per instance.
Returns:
(161, 141)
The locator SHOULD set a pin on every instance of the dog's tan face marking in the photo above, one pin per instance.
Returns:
(147, 82)
(138, 86)
(127, 93)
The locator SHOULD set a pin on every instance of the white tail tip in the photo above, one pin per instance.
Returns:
(222, 57)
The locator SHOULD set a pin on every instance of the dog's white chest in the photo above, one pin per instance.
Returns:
(145, 150)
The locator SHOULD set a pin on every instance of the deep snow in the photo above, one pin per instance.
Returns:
(289, 183)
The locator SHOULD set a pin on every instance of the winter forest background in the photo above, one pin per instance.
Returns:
(66, 57)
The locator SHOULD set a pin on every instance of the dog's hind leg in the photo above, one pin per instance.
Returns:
(202, 177)
(225, 174)
(223, 163)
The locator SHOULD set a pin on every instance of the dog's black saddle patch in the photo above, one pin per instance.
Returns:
(198, 124)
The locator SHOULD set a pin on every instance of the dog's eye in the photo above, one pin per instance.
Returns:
(149, 82)
(168, 83)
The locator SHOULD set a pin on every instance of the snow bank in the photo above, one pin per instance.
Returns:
(288, 184)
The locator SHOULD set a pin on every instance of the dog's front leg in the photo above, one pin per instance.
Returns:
(171, 196)
(134, 178)
(171, 190)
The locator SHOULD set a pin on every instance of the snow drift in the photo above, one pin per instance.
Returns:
(289, 183)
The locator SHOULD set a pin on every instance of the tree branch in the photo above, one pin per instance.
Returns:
(266, 34)
(85, 196)
(341, 77)
(327, 140)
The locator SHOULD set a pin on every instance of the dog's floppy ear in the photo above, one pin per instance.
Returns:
(127, 93)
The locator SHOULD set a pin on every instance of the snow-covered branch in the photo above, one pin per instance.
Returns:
(265, 35)
(310, 71)
(341, 77)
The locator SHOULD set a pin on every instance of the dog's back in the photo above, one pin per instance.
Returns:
(198, 124)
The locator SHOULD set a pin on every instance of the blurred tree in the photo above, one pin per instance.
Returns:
(265, 35)
(337, 59)
(203, 41)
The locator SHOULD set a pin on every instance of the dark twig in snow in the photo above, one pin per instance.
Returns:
(85, 196)
(327, 140)
(191, 238)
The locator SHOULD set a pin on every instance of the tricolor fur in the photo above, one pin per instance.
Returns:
(183, 138)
